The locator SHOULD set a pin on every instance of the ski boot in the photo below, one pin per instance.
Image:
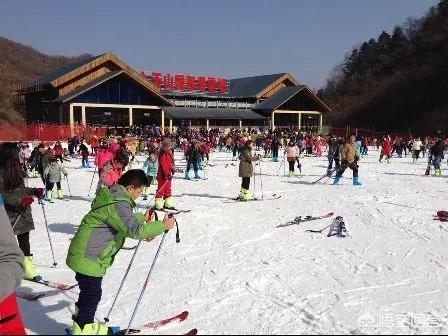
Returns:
(49, 194)
(169, 203)
(60, 194)
(158, 204)
(437, 172)
(196, 176)
(356, 181)
(92, 329)
(248, 195)
(241, 195)
(291, 174)
(336, 181)
(187, 176)
(29, 270)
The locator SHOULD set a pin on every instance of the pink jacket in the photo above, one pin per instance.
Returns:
(110, 174)
(102, 157)
(291, 151)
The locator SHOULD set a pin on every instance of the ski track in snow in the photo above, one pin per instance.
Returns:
(235, 272)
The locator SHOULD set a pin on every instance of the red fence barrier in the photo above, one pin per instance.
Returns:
(47, 132)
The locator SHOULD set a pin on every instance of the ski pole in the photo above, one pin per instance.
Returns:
(261, 182)
(48, 231)
(284, 165)
(91, 183)
(279, 168)
(68, 184)
(146, 282)
(17, 219)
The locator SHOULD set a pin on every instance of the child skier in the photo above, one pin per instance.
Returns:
(52, 175)
(291, 153)
(150, 168)
(193, 156)
(100, 237)
(246, 170)
(85, 155)
(113, 170)
(164, 176)
(349, 159)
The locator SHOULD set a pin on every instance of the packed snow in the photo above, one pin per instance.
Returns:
(236, 273)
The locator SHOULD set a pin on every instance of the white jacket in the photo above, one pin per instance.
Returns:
(417, 145)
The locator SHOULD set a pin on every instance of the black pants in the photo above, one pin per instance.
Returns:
(150, 178)
(275, 152)
(330, 163)
(245, 183)
(24, 243)
(50, 185)
(89, 298)
(291, 166)
(353, 166)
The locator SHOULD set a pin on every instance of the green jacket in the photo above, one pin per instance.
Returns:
(104, 229)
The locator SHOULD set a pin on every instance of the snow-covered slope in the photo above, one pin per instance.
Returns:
(235, 272)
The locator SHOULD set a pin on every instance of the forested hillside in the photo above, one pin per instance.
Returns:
(396, 82)
(20, 65)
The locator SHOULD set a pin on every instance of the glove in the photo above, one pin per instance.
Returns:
(26, 201)
(65, 175)
(39, 192)
(169, 177)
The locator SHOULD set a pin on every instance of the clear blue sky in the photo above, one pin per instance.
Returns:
(229, 38)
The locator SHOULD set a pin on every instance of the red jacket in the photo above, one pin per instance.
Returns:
(57, 150)
(166, 164)
(387, 146)
(102, 157)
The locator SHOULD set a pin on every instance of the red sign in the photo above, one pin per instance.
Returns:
(182, 82)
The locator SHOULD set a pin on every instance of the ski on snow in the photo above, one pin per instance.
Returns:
(29, 296)
(55, 285)
(299, 219)
(150, 326)
(174, 211)
(238, 200)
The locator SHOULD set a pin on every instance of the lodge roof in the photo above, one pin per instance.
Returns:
(90, 85)
(69, 74)
(211, 113)
(50, 77)
(255, 86)
(285, 94)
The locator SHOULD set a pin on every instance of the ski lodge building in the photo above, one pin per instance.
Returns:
(102, 90)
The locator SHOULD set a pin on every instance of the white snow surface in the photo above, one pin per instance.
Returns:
(236, 273)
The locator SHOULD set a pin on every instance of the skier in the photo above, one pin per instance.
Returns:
(100, 237)
(246, 170)
(112, 170)
(164, 176)
(436, 153)
(275, 144)
(11, 273)
(40, 160)
(193, 156)
(52, 175)
(103, 156)
(85, 155)
(58, 151)
(150, 167)
(334, 145)
(386, 148)
(349, 159)
(291, 153)
(17, 200)
(416, 149)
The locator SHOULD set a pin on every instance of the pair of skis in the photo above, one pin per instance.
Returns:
(50, 284)
(150, 326)
(298, 220)
(255, 199)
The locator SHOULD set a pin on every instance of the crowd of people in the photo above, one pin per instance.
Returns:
(112, 216)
